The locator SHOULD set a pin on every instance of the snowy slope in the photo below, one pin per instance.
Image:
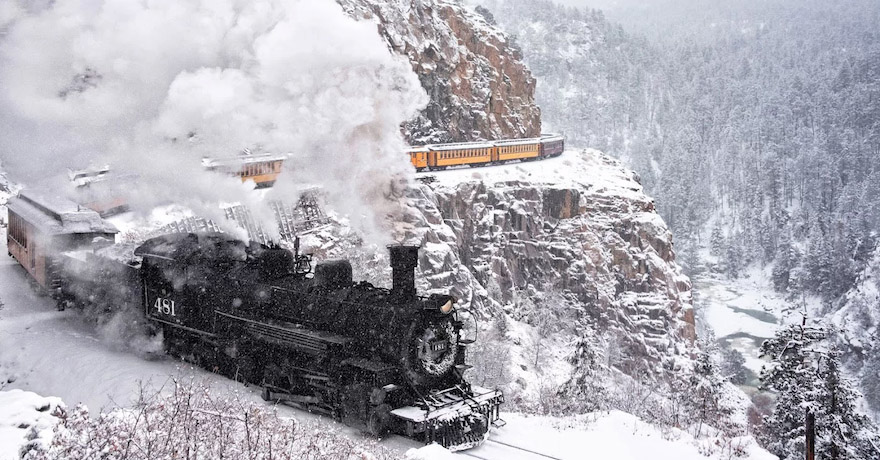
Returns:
(606, 435)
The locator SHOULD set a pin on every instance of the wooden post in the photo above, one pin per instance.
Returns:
(811, 435)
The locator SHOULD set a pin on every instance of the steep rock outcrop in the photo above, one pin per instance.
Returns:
(855, 318)
(479, 87)
(574, 238)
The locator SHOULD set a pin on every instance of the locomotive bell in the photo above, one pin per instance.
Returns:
(404, 260)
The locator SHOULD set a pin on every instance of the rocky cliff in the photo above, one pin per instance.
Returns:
(544, 253)
(554, 243)
(478, 85)
(855, 318)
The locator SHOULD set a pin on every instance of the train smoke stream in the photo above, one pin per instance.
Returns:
(153, 86)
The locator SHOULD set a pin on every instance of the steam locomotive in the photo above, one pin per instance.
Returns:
(387, 360)
(384, 360)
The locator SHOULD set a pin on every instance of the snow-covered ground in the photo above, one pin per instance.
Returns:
(21, 413)
(572, 167)
(605, 435)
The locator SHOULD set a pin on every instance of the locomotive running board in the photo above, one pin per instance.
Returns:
(455, 418)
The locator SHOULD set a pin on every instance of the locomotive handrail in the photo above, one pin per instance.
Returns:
(345, 302)
(180, 326)
(476, 325)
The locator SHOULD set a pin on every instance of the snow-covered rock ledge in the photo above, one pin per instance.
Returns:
(543, 247)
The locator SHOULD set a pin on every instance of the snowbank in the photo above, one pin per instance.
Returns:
(429, 452)
(23, 413)
(611, 435)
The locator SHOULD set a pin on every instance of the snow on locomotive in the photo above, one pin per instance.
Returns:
(386, 360)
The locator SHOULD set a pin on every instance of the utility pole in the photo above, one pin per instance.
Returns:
(810, 421)
(811, 435)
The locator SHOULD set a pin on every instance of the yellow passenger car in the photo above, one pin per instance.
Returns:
(518, 149)
(262, 169)
(418, 156)
(464, 153)
(442, 156)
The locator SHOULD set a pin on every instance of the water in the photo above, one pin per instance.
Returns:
(742, 313)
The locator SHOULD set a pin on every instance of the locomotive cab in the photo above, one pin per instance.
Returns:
(180, 288)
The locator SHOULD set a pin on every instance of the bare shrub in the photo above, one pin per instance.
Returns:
(188, 420)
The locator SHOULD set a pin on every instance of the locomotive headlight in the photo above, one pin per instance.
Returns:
(446, 308)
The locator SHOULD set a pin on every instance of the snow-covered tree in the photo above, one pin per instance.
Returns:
(843, 432)
(586, 388)
(733, 366)
(804, 373)
(707, 384)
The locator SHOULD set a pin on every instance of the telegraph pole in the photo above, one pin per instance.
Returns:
(811, 435)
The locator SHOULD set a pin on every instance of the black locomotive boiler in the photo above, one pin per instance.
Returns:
(386, 360)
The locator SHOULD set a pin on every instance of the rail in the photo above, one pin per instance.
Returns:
(509, 446)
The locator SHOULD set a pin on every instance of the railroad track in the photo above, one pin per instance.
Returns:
(498, 450)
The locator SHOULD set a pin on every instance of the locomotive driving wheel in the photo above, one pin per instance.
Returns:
(379, 422)
(249, 368)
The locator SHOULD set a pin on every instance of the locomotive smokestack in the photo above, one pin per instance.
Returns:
(404, 260)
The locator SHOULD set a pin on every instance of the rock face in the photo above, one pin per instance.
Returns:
(856, 319)
(479, 87)
(573, 239)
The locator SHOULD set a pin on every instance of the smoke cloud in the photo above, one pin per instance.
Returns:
(152, 87)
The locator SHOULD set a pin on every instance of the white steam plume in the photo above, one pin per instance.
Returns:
(153, 86)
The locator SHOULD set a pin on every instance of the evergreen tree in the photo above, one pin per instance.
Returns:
(805, 374)
(733, 365)
(871, 374)
(585, 388)
(842, 432)
(818, 261)
(717, 241)
(789, 376)
(784, 264)
(735, 259)
(706, 386)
